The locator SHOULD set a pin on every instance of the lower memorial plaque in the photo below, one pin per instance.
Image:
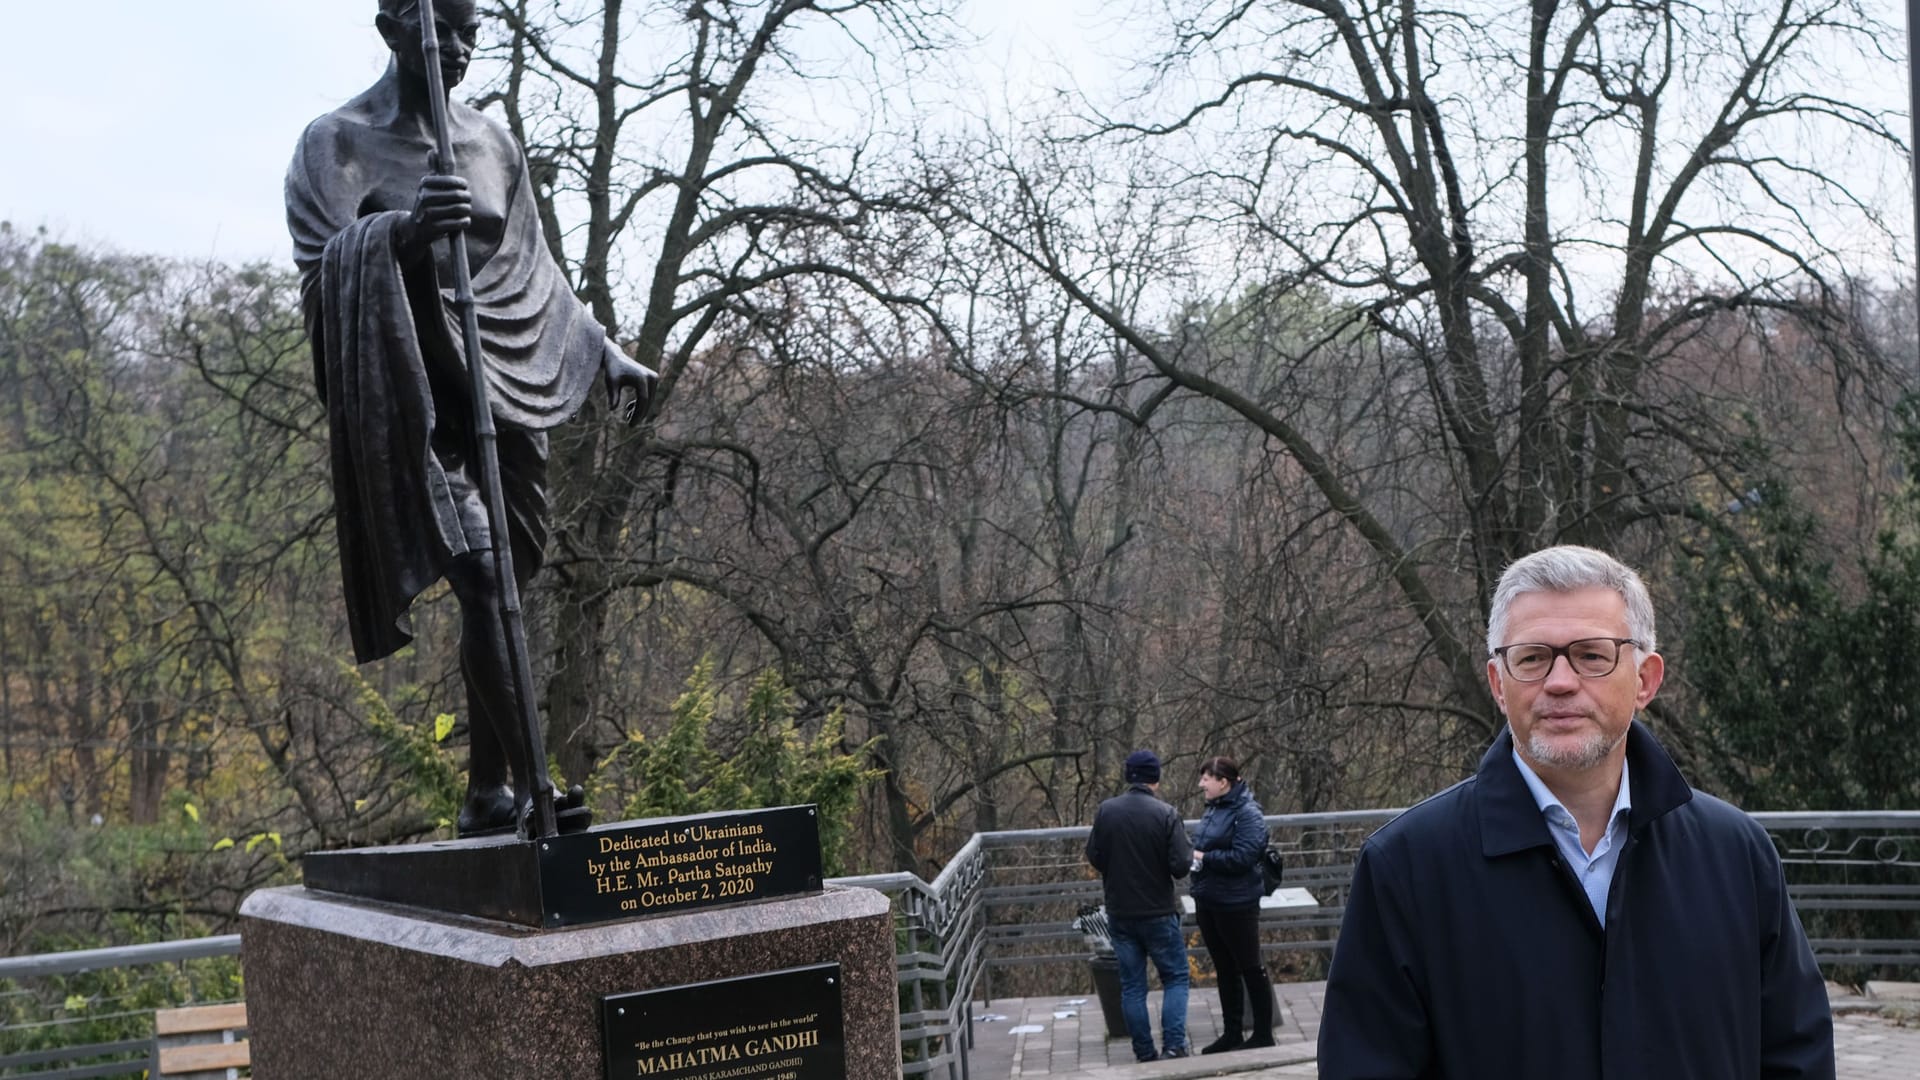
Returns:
(781, 1025)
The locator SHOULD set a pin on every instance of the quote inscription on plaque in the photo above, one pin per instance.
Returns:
(782, 1025)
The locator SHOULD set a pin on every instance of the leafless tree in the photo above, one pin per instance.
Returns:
(665, 152)
(1511, 229)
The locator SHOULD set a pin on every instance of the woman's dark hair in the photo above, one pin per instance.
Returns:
(1222, 768)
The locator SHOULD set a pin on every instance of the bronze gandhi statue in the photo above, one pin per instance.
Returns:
(366, 199)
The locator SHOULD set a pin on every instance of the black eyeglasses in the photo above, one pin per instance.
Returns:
(1590, 658)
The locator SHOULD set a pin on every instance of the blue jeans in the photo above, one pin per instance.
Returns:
(1135, 941)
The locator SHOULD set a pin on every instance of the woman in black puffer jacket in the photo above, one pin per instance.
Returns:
(1227, 886)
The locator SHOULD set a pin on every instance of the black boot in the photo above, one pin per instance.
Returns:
(1230, 1011)
(1260, 996)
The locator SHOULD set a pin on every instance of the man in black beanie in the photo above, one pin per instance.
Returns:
(1139, 845)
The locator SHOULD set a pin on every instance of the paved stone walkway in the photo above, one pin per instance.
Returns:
(1066, 1036)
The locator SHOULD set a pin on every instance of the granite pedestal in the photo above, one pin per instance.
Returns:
(343, 988)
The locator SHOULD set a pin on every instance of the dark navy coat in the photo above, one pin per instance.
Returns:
(1467, 951)
(1234, 833)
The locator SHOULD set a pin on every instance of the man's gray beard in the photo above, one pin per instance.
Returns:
(1576, 757)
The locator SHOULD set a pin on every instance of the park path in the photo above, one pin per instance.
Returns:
(1065, 1036)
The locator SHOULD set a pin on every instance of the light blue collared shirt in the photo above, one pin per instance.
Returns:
(1595, 871)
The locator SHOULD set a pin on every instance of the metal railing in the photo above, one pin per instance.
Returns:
(997, 921)
(1040, 880)
(76, 1058)
(939, 946)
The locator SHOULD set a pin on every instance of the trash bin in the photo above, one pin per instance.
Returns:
(1092, 923)
(1106, 983)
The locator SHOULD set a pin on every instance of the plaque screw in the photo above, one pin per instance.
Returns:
(620, 1012)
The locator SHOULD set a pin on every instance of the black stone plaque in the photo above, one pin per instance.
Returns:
(783, 1025)
(617, 871)
(676, 864)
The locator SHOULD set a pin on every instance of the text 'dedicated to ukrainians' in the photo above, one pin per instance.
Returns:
(641, 868)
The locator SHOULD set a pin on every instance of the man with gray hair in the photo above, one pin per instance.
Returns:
(1574, 909)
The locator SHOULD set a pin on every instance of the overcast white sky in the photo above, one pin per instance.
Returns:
(165, 127)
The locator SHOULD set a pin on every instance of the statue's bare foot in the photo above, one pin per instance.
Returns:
(487, 811)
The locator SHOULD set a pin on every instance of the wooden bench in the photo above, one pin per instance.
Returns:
(201, 1042)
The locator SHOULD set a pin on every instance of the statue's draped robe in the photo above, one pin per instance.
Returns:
(387, 358)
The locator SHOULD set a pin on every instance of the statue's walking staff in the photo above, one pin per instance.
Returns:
(526, 753)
